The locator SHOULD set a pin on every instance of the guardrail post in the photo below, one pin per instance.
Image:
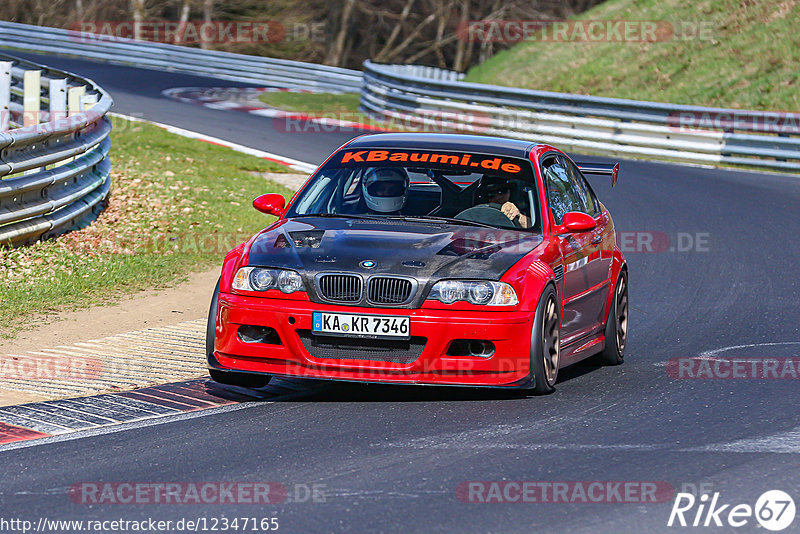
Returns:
(5, 94)
(75, 99)
(58, 99)
(89, 101)
(32, 101)
(58, 102)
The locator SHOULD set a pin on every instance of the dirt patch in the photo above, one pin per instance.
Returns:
(186, 301)
(11, 398)
(159, 307)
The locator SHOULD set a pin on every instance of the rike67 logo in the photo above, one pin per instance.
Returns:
(774, 510)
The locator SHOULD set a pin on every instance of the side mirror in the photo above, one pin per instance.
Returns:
(575, 221)
(271, 204)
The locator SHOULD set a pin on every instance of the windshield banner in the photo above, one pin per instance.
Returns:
(457, 161)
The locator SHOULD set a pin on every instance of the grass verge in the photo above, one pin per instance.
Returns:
(727, 53)
(314, 103)
(176, 206)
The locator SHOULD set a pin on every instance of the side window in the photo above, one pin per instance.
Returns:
(582, 188)
(562, 196)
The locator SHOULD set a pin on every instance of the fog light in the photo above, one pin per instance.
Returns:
(471, 348)
(258, 334)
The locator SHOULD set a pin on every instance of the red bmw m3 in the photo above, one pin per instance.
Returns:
(426, 259)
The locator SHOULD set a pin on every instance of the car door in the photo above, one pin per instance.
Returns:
(576, 249)
(601, 249)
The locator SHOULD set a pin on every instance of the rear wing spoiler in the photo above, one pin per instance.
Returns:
(607, 169)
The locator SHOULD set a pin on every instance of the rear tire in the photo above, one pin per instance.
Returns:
(231, 378)
(545, 343)
(616, 332)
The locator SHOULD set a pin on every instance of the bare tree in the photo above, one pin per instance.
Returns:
(183, 21)
(380, 56)
(402, 31)
(335, 57)
(137, 12)
(208, 16)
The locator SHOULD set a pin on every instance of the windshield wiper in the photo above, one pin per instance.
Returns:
(431, 218)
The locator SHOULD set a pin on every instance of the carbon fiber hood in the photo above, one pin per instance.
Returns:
(426, 252)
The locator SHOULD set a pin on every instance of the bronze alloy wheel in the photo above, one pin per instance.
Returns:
(550, 341)
(616, 329)
(622, 313)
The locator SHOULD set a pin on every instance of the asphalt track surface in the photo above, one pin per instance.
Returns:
(391, 458)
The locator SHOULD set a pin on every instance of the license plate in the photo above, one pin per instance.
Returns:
(343, 324)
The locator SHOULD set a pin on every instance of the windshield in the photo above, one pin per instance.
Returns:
(468, 189)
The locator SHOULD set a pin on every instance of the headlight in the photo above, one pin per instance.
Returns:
(484, 293)
(258, 279)
(289, 282)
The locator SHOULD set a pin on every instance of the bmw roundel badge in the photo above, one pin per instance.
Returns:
(367, 264)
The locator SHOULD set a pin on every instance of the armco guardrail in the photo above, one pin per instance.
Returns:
(160, 56)
(610, 126)
(54, 143)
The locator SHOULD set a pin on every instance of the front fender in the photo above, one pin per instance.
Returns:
(229, 267)
(529, 278)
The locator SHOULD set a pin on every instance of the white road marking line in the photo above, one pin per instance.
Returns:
(510, 437)
(222, 105)
(714, 352)
(710, 354)
(787, 442)
(269, 113)
(528, 446)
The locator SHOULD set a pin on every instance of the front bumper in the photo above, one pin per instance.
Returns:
(432, 332)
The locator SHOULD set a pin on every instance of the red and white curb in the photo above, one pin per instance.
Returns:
(297, 165)
(63, 419)
(246, 100)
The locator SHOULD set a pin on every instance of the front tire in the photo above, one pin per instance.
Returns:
(616, 332)
(231, 378)
(545, 343)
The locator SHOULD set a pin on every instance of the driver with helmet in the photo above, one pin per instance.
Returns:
(385, 189)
